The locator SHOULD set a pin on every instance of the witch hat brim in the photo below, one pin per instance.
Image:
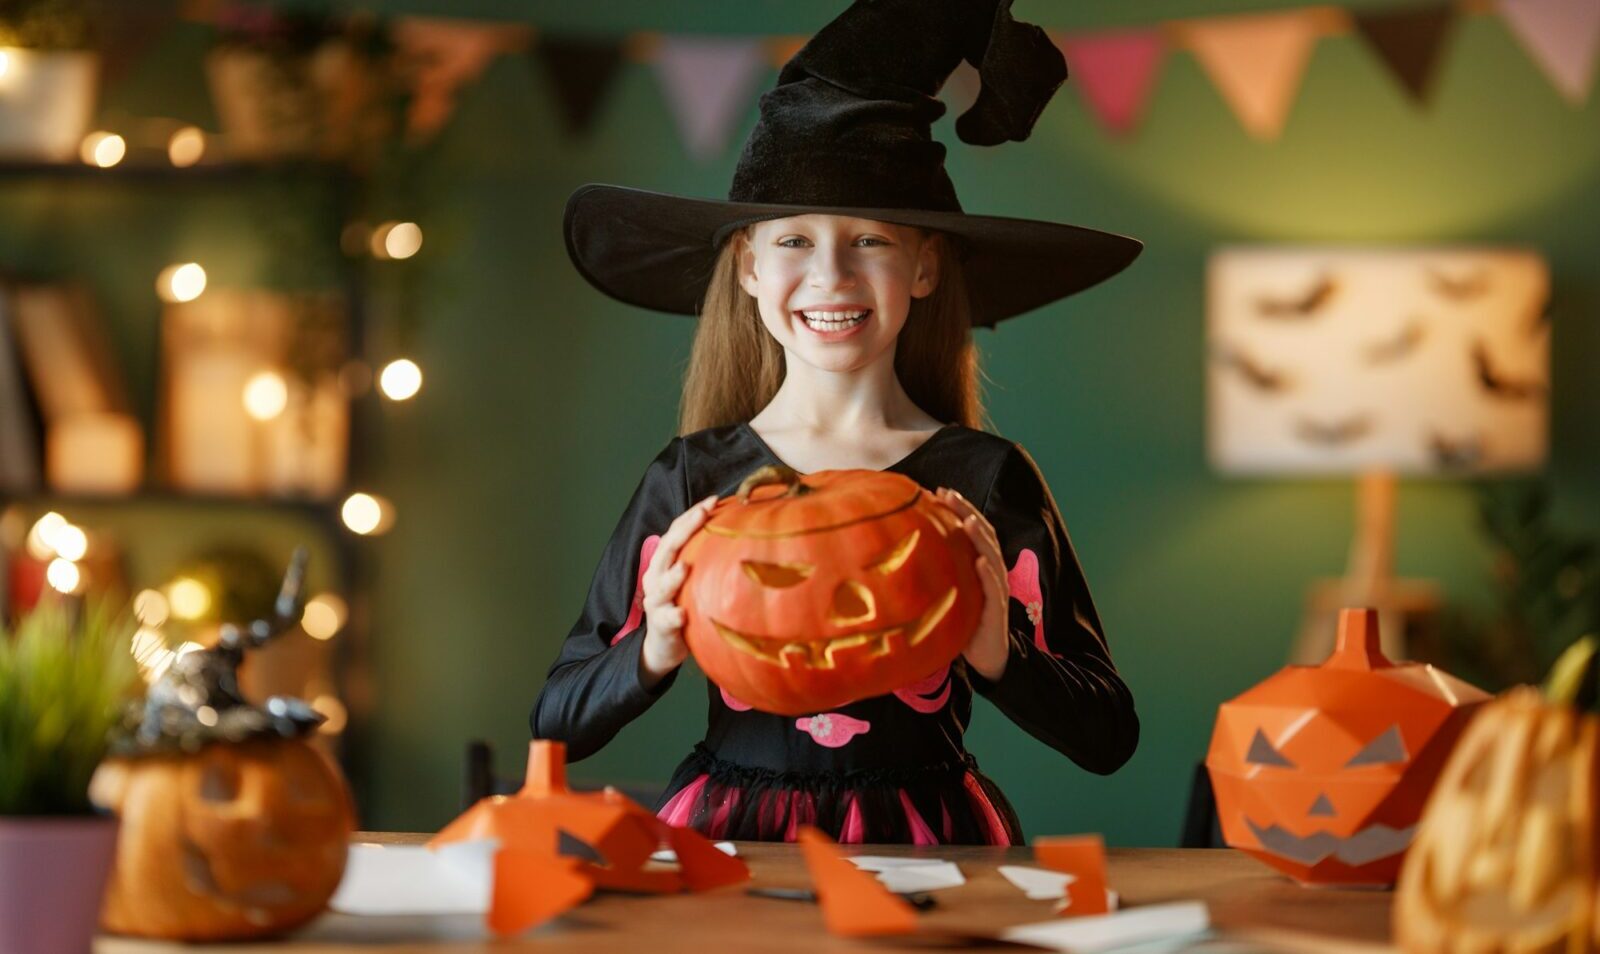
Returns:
(657, 250)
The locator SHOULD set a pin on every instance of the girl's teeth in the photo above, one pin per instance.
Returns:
(833, 320)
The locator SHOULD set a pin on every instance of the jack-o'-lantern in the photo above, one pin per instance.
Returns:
(1506, 854)
(1322, 771)
(232, 825)
(806, 593)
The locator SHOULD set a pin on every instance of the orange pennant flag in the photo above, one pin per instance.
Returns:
(441, 55)
(854, 903)
(1083, 857)
(1256, 61)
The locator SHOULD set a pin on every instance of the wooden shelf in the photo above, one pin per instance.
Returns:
(167, 174)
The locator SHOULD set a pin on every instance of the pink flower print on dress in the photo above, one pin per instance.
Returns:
(636, 611)
(832, 729)
(734, 703)
(1023, 581)
(927, 695)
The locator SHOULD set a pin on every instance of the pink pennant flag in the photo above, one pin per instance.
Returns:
(707, 82)
(1562, 36)
(1256, 61)
(1114, 71)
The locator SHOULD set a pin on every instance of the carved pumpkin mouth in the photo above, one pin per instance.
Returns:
(820, 653)
(1368, 844)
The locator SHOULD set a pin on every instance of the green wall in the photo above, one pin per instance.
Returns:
(544, 401)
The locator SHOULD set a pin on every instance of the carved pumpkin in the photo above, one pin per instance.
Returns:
(807, 593)
(1322, 771)
(1505, 857)
(239, 840)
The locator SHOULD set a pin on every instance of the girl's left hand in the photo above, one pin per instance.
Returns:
(990, 646)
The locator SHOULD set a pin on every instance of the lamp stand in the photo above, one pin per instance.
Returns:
(1407, 609)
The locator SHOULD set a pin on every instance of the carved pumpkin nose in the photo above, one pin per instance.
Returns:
(1322, 807)
(852, 604)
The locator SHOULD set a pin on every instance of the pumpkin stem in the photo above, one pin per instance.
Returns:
(547, 768)
(1358, 646)
(772, 474)
(1575, 678)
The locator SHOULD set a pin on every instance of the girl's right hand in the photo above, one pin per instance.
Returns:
(664, 649)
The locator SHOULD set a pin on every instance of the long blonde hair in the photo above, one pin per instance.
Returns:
(736, 366)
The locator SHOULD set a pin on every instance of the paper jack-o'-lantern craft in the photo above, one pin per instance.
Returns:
(1506, 854)
(1322, 771)
(232, 825)
(534, 881)
(805, 593)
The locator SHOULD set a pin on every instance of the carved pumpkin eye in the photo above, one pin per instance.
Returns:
(1262, 753)
(896, 556)
(778, 575)
(1383, 750)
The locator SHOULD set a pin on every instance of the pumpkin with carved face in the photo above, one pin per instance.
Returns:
(1322, 771)
(807, 593)
(238, 840)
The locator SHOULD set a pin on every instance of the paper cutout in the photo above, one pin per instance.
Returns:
(668, 856)
(1083, 857)
(1145, 924)
(441, 55)
(580, 70)
(1563, 39)
(534, 881)
(1256, 62)
(1037, 883)
(707, 82)
(1114, 71)
(413, 879)
(911, 874)
(853, 903)
(1410, 41)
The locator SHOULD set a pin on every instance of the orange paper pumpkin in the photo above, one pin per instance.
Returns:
(533, 881)
(807, 593)
(1322, 771)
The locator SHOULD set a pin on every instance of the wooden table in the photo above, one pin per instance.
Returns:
(1249, 903)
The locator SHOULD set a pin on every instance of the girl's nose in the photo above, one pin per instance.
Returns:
(830, 268)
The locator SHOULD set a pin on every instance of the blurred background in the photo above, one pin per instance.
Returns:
(293, 273)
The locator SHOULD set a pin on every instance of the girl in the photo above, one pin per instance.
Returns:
(836, 291)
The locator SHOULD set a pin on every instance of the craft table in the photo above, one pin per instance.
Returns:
(1249, 903)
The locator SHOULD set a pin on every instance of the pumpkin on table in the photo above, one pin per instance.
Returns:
(805, 593)
(1322, 771)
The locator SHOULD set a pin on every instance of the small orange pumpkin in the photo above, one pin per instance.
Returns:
(808, 592)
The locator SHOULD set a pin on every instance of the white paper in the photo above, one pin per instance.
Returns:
(911, 874)
(1037, 883)
(456, 878)
(1104, 932)
(885, 862)
(670, 857)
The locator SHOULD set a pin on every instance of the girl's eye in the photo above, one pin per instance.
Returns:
(872, 239)
(785, 242)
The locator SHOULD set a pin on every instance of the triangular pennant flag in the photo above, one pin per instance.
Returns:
(707, 83)
(1562, 36)
(1410, 42)
(1256, 61)
(438, 56)
(580, 70)
(781, 49)
(1114, 71)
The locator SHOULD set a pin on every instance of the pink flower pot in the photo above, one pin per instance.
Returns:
(53, 873)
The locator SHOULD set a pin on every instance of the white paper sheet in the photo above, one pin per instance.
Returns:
(669, 856)
(1037, 883)
(413, 879)
(912, 874)
(1142, 925)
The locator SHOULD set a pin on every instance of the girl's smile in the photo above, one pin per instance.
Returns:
(834, 322)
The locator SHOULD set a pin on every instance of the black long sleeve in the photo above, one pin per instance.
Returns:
(1059, 683)
(593, 689)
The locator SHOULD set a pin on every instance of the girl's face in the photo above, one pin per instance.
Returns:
(833, 290)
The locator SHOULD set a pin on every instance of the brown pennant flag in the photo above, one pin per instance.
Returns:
(440, 55)
(580, 70)
(1410, 42)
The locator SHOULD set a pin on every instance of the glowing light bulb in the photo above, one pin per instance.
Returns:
(324, 616)
(186, 147)
(403, 240)
(400, 379)
(63, 575)
(181, 282)
(103, 149)
(266, 394)
(71, 542)
(188, 598)
(5, 63)
(150, 606)
(366, 514)
(42, 538)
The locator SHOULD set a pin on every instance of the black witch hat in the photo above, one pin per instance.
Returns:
(847, 131)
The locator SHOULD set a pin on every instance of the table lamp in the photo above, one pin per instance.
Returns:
(1373, 362)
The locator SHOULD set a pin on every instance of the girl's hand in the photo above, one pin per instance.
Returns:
(664, 649)
(990, 646)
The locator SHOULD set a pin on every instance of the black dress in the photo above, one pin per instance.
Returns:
(890, 769)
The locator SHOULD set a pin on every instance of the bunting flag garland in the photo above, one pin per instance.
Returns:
(1562, 37)
(1114, 71)
(1256, 61)
(781, 49)
(708, 84)
(442, 55)
(1410, 42)
(580, 71)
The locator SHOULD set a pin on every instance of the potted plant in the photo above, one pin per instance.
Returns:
(66, 673)
(48, 77)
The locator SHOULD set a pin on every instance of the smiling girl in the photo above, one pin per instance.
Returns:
(836, 292)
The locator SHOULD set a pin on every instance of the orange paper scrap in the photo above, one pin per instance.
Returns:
(1083, 857)
(854, 903)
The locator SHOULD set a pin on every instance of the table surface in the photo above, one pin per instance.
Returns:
(1252, 907)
